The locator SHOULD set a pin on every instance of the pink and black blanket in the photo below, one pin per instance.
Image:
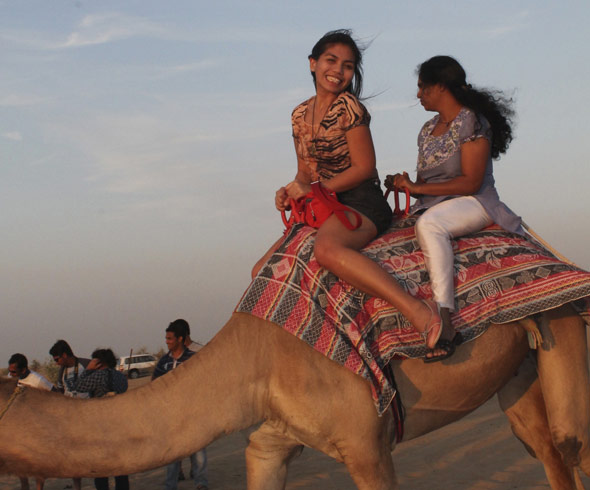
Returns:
(499, 277)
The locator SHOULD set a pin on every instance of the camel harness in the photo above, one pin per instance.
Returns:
(17, 391)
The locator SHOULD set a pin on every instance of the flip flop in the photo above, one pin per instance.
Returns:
(448, 346)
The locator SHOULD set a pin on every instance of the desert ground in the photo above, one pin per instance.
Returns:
(478, 452)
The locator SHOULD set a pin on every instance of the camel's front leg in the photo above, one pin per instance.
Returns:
(268, 456)
(371, 467)
(522, 402)
(563, 372)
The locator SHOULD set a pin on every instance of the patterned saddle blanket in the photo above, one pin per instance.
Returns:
(499, 277)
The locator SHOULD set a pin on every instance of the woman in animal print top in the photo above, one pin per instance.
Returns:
(334, 146)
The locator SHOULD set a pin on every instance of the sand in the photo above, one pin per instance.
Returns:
(478, 452)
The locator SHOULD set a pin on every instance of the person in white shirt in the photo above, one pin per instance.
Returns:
(18, 367)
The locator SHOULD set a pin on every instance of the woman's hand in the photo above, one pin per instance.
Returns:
(93, 364)
(293, 190)
(388, 183)
(281, 199)
(399, 181)
(297, 189)
(402, 181)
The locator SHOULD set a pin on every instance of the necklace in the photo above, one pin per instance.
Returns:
(447, 123)
(313, 150)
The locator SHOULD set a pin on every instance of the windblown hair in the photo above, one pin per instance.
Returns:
(491, 104)
(342, 36)
(20, 360)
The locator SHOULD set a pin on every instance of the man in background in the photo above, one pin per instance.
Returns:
(18, 367)
(70, 369)
(100, 378)
(176, 336)
(198, 460)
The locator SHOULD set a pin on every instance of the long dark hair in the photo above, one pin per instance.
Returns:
(342, 36)
(491, 104)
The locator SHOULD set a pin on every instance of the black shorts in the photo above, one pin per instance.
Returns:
(367, 198)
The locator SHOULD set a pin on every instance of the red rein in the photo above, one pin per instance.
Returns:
(319, 204)
(397, 212)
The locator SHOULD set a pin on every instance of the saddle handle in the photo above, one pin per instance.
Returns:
(397, 210)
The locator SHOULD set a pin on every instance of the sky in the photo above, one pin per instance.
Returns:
(142, 143)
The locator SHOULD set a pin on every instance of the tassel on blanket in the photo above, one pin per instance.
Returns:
(533, 332)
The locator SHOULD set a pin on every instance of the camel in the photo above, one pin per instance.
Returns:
(253, 374)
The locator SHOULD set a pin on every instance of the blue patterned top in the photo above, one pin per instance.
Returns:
(439, 160)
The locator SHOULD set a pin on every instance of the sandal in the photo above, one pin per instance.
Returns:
(448, 346)
(433, 323)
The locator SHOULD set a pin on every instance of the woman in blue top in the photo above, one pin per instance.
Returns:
(455, 184)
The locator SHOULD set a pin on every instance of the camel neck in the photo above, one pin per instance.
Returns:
(217, 391)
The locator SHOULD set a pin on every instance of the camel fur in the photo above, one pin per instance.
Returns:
(254, 374)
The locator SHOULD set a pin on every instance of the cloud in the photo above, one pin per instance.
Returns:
(197, 66)
(13, 135)
(92, 30)
(174, 154)
(15, 100)
(107, 28)
(516, 23)
(111, 27)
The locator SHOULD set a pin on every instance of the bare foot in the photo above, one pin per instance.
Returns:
(448, 333)
(433, 325)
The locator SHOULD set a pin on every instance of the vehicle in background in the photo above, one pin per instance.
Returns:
(137, 365)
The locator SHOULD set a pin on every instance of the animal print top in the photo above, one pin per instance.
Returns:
(332, 156)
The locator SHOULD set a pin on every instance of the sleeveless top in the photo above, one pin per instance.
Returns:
(439, 160)
(331, 155)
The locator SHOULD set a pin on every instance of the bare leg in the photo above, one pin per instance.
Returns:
(337, 249)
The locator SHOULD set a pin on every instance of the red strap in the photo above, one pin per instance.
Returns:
(296, 207)
(329, 200)
(337, 207)
(397, 211)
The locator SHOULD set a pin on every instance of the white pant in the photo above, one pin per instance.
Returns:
(434, 231)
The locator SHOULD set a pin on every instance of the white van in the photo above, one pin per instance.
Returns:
(136, 366)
